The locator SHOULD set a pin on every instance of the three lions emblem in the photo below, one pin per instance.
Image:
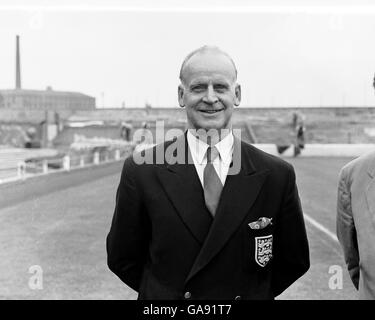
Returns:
(263, 250)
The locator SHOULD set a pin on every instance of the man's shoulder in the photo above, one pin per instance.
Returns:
(150, 155)
(358, 165)
(262, 159)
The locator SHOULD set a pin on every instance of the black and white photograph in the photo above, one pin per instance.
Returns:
(187, 151)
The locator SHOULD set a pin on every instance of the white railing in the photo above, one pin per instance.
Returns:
(66, 163)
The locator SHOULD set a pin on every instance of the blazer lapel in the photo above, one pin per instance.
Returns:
(183, 187)
(370, 191)
(239, 193)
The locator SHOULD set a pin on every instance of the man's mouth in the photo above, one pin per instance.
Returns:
(211, 111)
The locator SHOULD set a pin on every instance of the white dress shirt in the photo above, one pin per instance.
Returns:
(198, 149)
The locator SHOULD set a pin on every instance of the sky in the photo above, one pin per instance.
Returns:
(289, 53)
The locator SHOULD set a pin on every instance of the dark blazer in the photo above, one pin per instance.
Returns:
(164, 243)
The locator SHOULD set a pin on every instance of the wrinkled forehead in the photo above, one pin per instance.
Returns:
(214, 65)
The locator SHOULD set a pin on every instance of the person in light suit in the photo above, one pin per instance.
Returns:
(217, 218)
(356, 222)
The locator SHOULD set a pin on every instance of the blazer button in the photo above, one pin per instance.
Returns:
(187, 295)
(237, 298)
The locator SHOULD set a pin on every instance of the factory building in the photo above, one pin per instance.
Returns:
(48, 99)
(45, 100)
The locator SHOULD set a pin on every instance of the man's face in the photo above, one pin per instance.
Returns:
(209, 91)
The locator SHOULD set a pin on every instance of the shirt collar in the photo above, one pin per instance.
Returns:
(198, 148)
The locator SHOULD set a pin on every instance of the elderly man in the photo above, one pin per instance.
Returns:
(356, 222)
(224, 223)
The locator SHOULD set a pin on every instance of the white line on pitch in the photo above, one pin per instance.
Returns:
(320, 227)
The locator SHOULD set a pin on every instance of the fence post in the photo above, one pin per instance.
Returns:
(66, 163)
(21, 168)
(96, 157)
(81, 161)
(45, 166)
(117, 154)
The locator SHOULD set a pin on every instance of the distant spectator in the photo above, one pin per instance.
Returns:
(300, 140)
(299, 132)
(295, 119)
(125, 131)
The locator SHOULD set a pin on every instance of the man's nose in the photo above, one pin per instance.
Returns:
(210, 96)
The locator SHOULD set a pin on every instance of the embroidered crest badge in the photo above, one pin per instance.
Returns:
(263, 250)
(261, 223)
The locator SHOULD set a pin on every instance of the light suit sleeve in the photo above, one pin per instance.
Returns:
(345, 227)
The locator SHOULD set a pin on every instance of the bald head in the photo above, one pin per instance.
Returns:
(205, 50)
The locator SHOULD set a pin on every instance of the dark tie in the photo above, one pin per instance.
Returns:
(211, 181)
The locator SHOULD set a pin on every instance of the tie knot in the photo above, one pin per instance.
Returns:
(212, 154)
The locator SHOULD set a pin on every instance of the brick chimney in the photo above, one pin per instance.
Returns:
(18, 63)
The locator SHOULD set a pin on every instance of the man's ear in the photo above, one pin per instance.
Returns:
(181, 96)
(237, 91)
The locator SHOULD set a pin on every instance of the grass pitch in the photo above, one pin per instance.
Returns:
(64, 233)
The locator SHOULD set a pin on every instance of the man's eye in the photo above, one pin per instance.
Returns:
(198, 88)
(220, 88)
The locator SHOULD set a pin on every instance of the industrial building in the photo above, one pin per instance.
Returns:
(48, 99)
(45, 100)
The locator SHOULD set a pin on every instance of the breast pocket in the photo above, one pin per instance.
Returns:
(257, 248)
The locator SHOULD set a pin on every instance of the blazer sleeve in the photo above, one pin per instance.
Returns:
(346, 232)
(127, 240)
(291, 249)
